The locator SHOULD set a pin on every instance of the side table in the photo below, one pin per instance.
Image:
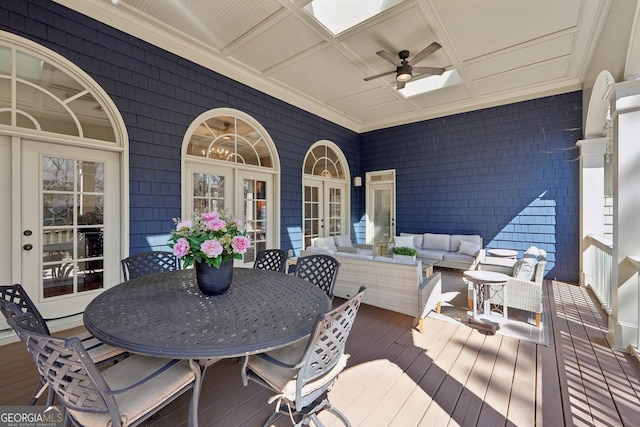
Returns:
(381, 248)
(482, 282)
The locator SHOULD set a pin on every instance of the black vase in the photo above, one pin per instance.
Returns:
(214, 281)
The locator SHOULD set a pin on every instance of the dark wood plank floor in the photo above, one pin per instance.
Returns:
(451, 375)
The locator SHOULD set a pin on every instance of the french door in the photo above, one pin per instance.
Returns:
(70, 225)
(247, 195)
(324, 210)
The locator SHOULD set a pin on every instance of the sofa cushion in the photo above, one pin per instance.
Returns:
(325, 243)
(403, 241)
(458, 257)
(318, 250)
(440, 242)
(457, 238)
(469, 248)
(417, 239)
(431, 254)
(354, 255)
(343, 241)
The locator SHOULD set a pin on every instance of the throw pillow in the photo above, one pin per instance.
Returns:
(326, 243)
(417, 239)
(524, 268)
(343, 241)
(469, 248)
(403, 241)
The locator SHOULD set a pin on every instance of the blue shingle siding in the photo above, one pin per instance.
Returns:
(507, 173)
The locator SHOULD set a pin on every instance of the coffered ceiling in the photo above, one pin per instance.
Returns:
(503, 50)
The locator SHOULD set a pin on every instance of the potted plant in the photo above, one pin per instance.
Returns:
(404, 252)
(210, 241)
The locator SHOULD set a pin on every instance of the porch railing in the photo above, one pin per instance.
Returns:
(597, 268)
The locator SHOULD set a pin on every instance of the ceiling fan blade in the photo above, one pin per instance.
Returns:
(400, 85)
(429, 70)
(379, 75)
(387, 56)
(432, 48)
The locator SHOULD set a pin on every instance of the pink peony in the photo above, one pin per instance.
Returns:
(216, 224)
(181, 248)
(240, 244)
(211, 248)
(208, 216)
(187, 223)
(238, 222)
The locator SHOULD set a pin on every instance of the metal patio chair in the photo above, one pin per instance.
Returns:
(150, 262)
(271, 260)
(301, 374)
(14, 301)
(321, 270)
(126, 393)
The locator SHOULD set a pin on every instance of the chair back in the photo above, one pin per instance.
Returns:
(66, 366)
(17, 295)
(150, 262)
(271, 260)
(321, 270)
(325, 349)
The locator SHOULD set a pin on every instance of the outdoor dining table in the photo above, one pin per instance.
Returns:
(166, 315)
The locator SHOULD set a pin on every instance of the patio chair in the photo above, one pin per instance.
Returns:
(524, 287)
(14, 301)
(301, 374)
(149, 262)
(321, 270)
(126, 393)
(271, 260)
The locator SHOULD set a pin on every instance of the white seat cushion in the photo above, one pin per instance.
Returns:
(440, 242)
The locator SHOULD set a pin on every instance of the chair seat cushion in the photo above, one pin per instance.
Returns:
(283, 380)
(135, 403)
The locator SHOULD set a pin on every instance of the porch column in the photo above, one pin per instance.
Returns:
(592, 160)
(624, 99)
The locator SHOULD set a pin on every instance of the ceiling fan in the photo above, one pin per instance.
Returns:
(405, 68)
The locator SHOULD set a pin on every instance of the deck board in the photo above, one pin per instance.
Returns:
(450, 375)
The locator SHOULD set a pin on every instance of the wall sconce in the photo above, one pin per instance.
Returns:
(357, 181)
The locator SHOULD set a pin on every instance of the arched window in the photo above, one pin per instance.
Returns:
(232, 164)
(326, 196)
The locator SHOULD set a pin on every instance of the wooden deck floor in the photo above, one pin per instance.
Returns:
(451, 375)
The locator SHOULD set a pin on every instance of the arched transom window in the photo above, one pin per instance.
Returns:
(41, 96)
(323, 160)
(231, 139)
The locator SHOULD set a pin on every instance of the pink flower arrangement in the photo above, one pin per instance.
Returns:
(211, 237)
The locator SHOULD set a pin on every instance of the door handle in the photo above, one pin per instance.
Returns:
(27, 247)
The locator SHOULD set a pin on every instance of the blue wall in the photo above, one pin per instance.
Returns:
(508, 173)
(159, 94)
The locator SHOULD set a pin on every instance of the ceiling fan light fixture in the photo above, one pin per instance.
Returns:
(404, 74)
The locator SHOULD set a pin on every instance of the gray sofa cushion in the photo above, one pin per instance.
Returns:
(431, 254)
(440, 242)
(458, 257)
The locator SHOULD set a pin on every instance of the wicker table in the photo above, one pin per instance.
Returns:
(166, 315)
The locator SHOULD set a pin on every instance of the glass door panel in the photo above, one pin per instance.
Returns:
(313, 222)
(255, 216)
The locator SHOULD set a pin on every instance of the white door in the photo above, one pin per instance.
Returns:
(324, 210)
(70, 234)
(381, 210)
(251, 199)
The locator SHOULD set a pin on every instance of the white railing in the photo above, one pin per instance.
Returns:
(597, 268)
